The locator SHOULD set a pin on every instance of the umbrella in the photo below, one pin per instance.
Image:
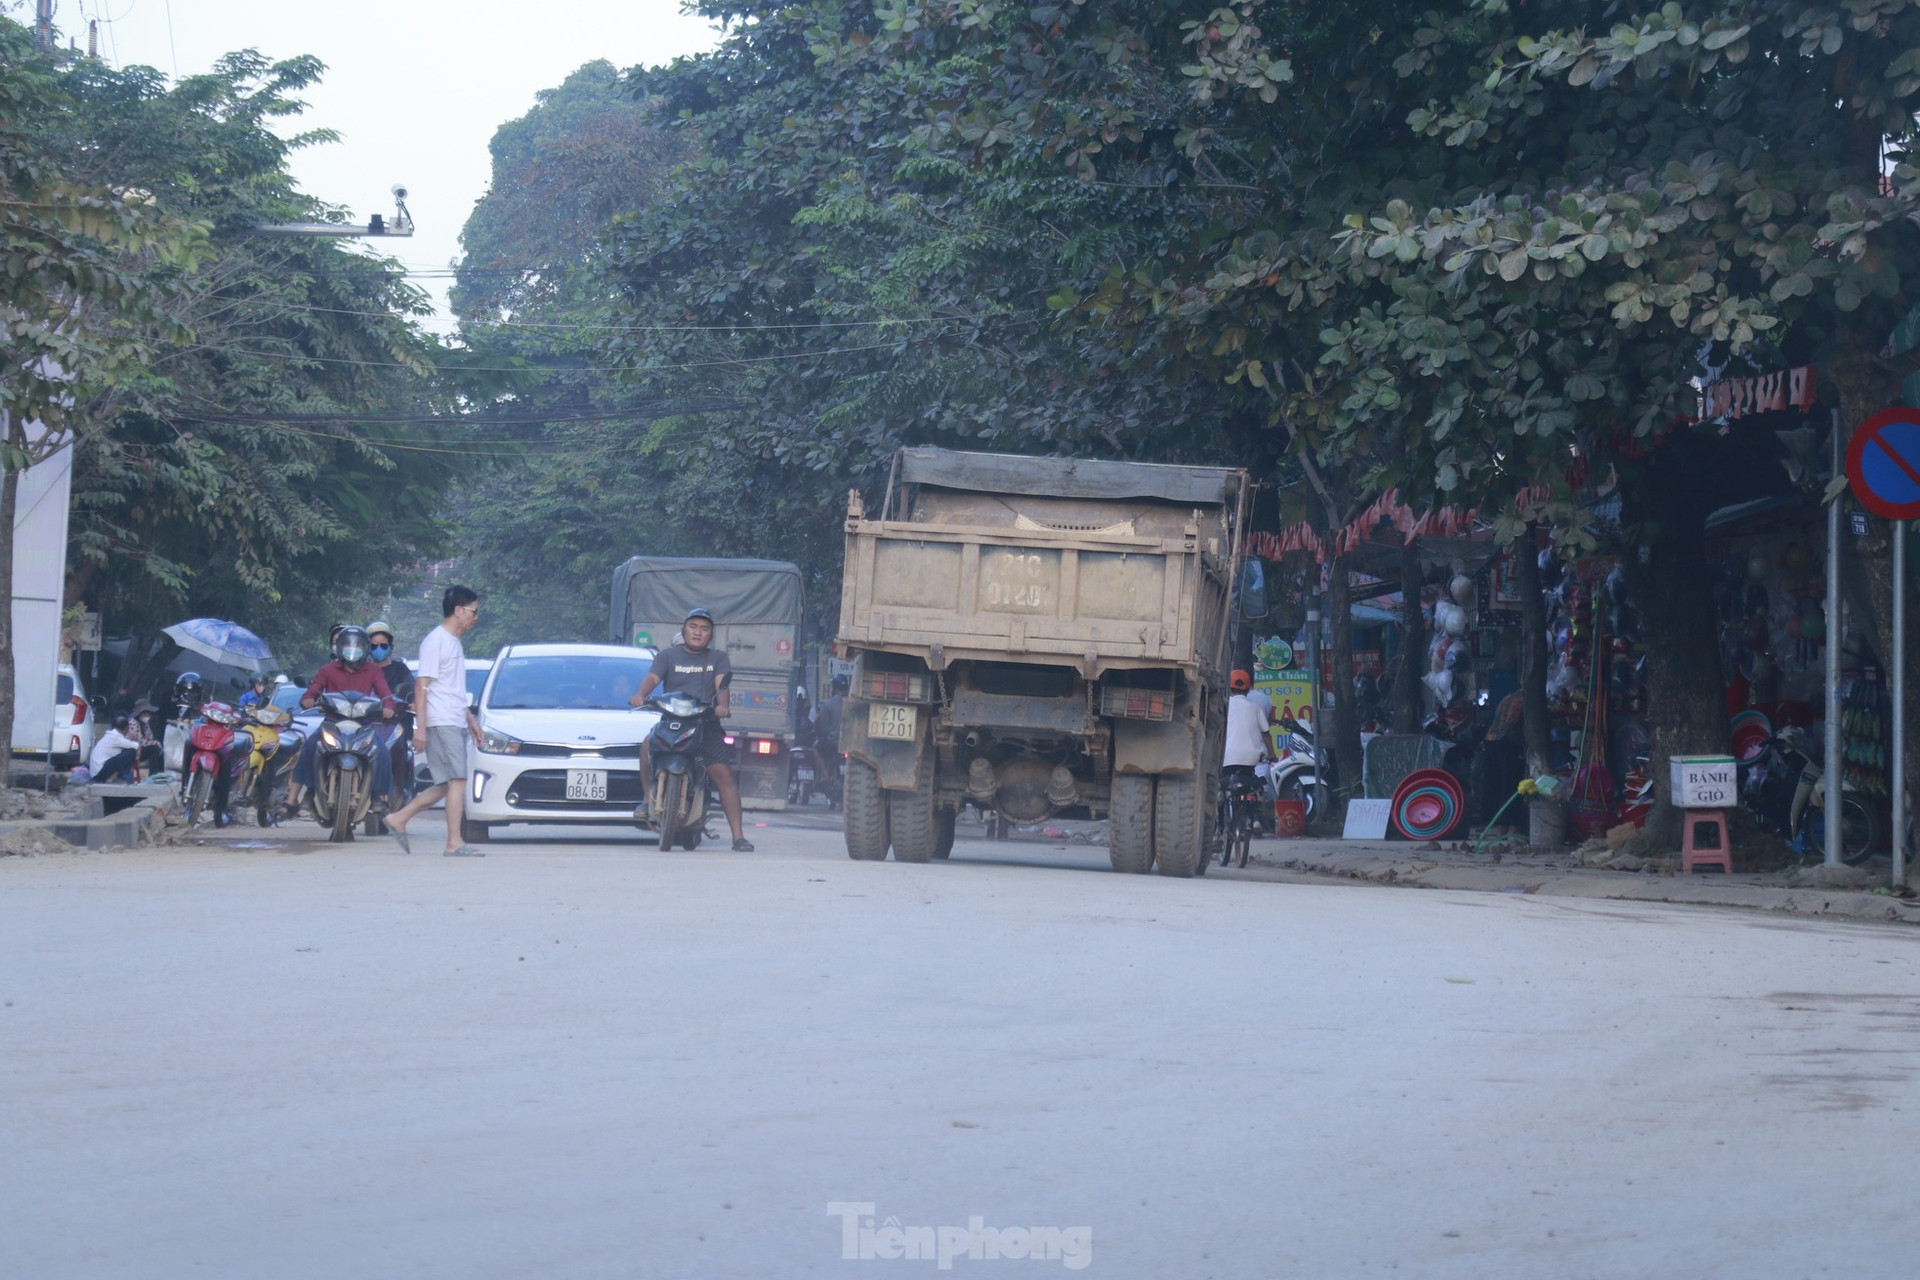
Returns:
(222, 641)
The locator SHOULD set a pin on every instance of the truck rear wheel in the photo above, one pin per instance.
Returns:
(1130, 824)
(1178, 847)
(865, 813)
(911, 820)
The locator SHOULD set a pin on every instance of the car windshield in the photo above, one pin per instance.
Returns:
(585, 681)
(287, 697)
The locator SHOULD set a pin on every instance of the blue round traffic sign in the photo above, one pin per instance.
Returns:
(1883, 463)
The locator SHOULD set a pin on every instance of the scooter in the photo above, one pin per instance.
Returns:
(801, 782)
(1786, 791)
(677, 781)
(1293, 775)
(264, 742)
(203, 761)
(343, 777)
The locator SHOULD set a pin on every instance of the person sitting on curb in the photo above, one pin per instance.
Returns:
(115, 755)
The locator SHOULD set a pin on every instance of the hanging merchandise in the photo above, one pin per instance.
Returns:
(1594, 805)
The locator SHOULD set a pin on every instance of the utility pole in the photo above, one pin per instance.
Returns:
(43, 26)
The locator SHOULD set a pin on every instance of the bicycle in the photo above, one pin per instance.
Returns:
(1241, 795)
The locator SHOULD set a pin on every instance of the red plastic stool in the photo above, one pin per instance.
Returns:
(1692, 854)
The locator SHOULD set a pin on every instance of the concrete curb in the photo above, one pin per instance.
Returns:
(137, 817)
(1560, 876)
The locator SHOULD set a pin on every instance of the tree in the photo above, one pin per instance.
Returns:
(71, 254)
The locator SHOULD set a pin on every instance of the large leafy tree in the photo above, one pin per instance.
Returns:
(296, 443)
(79, 312)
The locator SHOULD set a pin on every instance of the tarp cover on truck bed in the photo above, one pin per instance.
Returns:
(663, 588)
(1069, 477)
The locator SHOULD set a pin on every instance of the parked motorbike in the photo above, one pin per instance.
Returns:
(1294, 775)
(264, 743)
(677, 783)
(343, 775)
(203, 787)
(1785, 790)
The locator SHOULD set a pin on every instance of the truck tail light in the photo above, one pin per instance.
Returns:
(1136, 704)
(765, 746)
(897, 686)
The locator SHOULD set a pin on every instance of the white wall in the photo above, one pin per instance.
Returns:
(39, 582)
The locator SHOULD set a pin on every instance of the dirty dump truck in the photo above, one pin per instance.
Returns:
(1042, 637)
(756, 607)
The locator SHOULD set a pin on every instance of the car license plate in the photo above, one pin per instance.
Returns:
(892, 721)
(587, 784)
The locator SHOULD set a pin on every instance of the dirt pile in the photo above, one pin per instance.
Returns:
(31, 842)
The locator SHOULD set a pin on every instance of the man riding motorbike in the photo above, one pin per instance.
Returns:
(400, 680)
(349, 672)
(695, 668)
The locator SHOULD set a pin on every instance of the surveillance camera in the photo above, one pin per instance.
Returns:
(399, 192)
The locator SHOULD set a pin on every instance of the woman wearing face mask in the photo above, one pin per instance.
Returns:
(400, 680)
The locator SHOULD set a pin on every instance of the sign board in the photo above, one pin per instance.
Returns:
(90, 632)
(1291, 691)
(1367, 819)
(1703, 782)
(39, 587)
(1883, 463)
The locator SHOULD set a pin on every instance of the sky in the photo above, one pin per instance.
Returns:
(415, 88)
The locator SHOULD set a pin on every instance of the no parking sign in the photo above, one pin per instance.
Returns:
(1883, 463)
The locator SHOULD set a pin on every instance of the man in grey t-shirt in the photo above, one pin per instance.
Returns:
(696, 668)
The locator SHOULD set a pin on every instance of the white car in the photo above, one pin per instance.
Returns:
(73, 726)
(558, 740)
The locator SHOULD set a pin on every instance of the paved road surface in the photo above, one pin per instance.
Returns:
(591, 1059)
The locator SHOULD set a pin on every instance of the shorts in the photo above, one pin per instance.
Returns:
(712, 746)
(447, 751)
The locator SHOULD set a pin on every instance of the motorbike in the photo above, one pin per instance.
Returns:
(1785, 790)
(203, 759)
(677, 783)
(343, 775)
(266, 740)
(1293, 775)
(802, 781)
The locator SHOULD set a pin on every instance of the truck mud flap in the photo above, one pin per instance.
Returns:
(897, 763)
(1150, 746)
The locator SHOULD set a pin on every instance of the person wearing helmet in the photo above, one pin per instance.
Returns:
(349, 672)
(400, 680)
(257, 692)
(695, 667)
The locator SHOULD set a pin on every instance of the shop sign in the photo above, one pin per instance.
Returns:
(1292, 693)
(1739, 397)
(1369, 662)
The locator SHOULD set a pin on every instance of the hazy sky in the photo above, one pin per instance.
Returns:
(415, 88)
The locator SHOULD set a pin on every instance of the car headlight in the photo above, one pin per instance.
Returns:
(495, 743)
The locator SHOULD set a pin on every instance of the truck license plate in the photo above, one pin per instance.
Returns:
(892, 721)
(587, 784)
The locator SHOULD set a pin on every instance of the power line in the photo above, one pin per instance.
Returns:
(296, 358)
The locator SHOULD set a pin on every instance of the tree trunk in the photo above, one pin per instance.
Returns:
(1407, 689)
(9, 502)
(1673, 586)
(1346, 718)
(1535, 724)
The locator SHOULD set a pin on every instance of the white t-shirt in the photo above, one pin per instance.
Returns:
(1246, 732)
(110, 744)
(444, 663)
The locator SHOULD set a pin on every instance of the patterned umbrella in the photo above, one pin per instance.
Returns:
(222, 641)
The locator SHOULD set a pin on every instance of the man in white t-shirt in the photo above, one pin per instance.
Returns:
(443, 720)
(1246, 725)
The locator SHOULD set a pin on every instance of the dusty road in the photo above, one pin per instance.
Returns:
(590, 1059)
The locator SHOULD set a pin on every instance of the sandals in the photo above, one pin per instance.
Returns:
(743, 845)
(464, 851)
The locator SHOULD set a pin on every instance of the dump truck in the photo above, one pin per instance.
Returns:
(1039, 637)
(756, 606)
